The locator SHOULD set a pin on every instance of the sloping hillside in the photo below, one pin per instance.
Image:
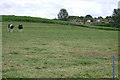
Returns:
(58, 51)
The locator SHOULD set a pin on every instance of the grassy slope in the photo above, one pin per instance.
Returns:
(58, 51)
(43, 20)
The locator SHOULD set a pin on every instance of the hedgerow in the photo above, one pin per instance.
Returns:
(44, 20)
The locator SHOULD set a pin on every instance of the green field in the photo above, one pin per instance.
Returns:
(58, 51)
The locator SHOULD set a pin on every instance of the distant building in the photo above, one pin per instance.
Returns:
(97, 21)
(75, 21)
(88, 22)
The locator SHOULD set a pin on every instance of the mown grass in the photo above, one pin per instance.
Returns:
(58, 51)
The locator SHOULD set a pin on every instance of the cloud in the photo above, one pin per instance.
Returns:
(50, 8)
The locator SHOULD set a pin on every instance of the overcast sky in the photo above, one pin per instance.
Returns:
(50, 8)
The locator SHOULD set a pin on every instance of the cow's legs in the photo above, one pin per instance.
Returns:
(20, 30)
(8, 30)
(11, 30)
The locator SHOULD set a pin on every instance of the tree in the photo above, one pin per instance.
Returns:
(63, 14)
(81, 17)
(100, 17)
(116, 18)
(89, 17)
(107, 17)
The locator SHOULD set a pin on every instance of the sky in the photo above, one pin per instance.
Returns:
(50, 8)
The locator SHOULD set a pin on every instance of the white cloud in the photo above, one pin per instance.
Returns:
(50, 8)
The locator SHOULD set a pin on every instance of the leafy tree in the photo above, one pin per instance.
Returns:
(81, 17)
(116, 18)
(89, 17)
(100, 17)
(107, 17)
(73, 17)
(63, 14)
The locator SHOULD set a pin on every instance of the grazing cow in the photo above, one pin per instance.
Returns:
(10, 27)
(20, 27)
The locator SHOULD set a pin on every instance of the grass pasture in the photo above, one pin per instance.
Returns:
(58, 51)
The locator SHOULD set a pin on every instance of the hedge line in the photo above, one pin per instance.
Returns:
(43, 20)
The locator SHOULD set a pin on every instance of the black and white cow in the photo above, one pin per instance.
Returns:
(10, 27)
(20, 27)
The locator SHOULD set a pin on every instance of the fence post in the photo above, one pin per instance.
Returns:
(113, 69)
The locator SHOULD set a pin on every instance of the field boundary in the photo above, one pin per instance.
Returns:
(44, 20)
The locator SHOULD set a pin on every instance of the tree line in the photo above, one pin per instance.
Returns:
(110, 21)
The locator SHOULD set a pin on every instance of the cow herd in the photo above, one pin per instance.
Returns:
(11, 26)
